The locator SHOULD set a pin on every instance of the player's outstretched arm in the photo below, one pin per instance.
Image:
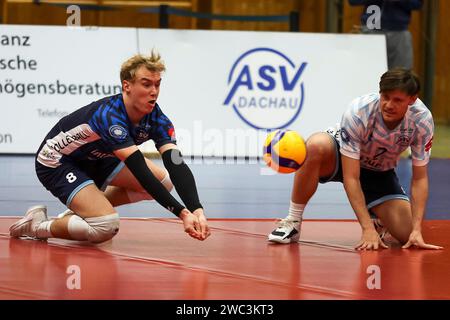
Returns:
(184, 182)
(134, 160)
(370, 238)
(419, 195)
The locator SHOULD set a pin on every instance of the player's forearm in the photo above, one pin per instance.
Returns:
(182, 178)
(356, 197)
(136, 164)
(419, 196)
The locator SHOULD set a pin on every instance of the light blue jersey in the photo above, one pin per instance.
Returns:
(364, 135)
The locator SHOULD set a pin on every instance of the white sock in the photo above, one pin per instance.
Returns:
(43, 230)
(296, 211)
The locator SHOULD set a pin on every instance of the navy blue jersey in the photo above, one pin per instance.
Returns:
(93, 132)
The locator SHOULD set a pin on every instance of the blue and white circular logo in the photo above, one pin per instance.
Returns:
(117, 131)
(266, 89)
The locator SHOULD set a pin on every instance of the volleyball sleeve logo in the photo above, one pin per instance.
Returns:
(118, 132)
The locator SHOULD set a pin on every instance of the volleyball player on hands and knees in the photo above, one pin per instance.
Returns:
(362, 154)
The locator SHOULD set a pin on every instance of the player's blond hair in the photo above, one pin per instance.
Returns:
(152, 62)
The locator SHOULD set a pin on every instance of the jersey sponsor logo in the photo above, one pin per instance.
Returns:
(335, 132)
(141, 134)
(375, 164)
(118, 132)
(65, 143)
(266, 88)
(48, 153)
(100, 155)
(66, 140)
(403, 141)
(344, 135)
(429, 145)
(407, 130)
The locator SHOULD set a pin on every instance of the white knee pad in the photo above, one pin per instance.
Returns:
(134, 196)
(103, 228)
(78, 228)
(95, 230)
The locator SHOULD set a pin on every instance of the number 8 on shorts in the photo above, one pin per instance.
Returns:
(71, 177)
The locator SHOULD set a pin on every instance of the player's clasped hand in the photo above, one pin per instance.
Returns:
(370, 240)
(195, 224)
(415, 239)
(203, 223)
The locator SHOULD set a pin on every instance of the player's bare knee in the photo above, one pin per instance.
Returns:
(103, 228)
(402, 235)
(317, 147)
(402, 239)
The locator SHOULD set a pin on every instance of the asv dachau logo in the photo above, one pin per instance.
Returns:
(266, 89)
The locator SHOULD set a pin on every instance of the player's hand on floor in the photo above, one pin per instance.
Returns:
(191, 224)
(370, 240)
(204, 228)
(416, 239)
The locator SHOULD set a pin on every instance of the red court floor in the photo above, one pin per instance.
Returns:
(155, 259)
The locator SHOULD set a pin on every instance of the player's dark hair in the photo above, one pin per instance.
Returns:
(400, 79)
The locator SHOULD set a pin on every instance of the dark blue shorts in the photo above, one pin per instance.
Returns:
(65, 181)
(377, 186)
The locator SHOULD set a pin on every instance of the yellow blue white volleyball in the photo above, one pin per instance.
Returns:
(284, 151)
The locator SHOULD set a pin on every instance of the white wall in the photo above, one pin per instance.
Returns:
(202, 69)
